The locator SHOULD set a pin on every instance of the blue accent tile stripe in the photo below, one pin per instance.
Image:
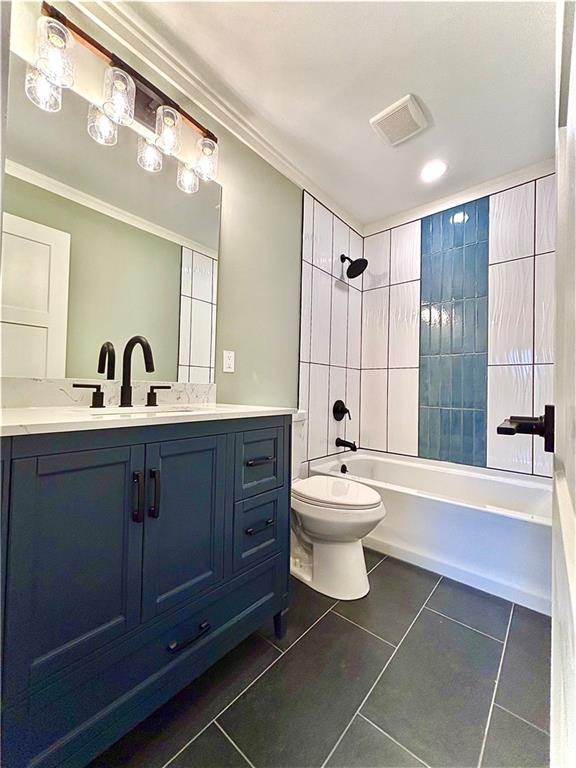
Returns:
(454, 334)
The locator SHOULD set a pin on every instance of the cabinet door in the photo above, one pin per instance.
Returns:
(259, 461)
(74, 559)
(184, 529)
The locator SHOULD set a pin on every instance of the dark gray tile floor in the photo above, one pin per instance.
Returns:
(424, 671)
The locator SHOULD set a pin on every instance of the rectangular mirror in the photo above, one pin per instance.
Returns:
(97, 249)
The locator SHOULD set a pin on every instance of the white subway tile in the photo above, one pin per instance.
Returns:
(186, 285)
(403, 411)
(405, 252)
(306, 311)
(337, 391)
(202, 277)
(321, 297)
(354, 328)
(201, 337)
(340, 246)
(373, 420)
(199, 375)
(356, 250)
(322, 255)
(214, 281)
(375, 328)
(546, 214)
(544, 308)
(318, 411)
(213, 340)
(377, 252)
(182, 374)
(404, 325)
(509, 394)
(512, 224)
(303, 396)
(511, 312)
(339, 323)
(184, 342)
(353, 403)
(543, 395)
(308, 228)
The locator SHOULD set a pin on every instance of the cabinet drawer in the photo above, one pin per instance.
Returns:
(58, 720)
(256, 525)
(259, 461)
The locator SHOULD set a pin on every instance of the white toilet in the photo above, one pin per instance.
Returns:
(330, 516)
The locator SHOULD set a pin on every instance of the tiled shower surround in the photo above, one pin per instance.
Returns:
(197, 340)
(361, 340)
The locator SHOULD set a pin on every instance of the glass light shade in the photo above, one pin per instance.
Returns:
(119, 96)
(53, 53)
(207, 163)
(149, 156)
(187, 180)
(168, 129)
(41, 91)
(100, 127)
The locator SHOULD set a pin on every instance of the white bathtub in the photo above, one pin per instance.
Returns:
(484, 527)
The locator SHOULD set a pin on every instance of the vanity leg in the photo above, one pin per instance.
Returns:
(281, 623)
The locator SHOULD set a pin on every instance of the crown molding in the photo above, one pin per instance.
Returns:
(121, 22)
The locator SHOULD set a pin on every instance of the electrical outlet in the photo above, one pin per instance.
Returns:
(228, 361)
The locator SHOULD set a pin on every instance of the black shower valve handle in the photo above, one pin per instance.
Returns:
(339, 410)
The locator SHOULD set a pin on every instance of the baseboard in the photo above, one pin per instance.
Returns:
(515, 594)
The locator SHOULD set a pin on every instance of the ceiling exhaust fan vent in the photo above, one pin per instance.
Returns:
(400, 121)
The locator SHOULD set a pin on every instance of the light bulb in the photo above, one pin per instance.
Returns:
(187, 180)
(433, 170)
(100, 127)
(41, 91)
(149, 156)
(119, 96)
(207, 163)
(168, 128)
(53, 53)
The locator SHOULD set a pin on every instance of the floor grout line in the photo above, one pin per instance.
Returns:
(384, 557)
(363, 628)
(236, 747)
(267, 639)
(393, 739)
(243, 691)
(479, 631)
(519, 717)
(375, 683)
(493, 701)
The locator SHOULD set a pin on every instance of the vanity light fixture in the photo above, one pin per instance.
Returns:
(433, 170)
(100, 127)
(207, 163)
(149, 156)
(53, 52)
(41, 91)
(119, 96)
(187, 180)
(168, 128)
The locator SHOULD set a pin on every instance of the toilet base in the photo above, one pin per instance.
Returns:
(336, 569)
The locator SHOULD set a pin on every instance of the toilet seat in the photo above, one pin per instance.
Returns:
(336, 493)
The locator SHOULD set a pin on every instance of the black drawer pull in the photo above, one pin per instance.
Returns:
(138, 508)
(254, 531)
(176, 647)
(259, 462)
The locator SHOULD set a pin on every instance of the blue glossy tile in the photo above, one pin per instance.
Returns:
(446, 275)
(469, 325)
(480, 363)
(483, 208)
(445, 382)
(469, 285)
(434, 381)
(456, 435)
(468, 381)
(432, 233)
(457, 327)
(481, 343)
(426, 235)
(426, 277)
(436, 277)
(434, 433)
(467, 437)
(444, 434)
(479, 438)
(457, 381)
(447, 230)
(470, 222)
(424, 380)
(435, 315)
(425, 329)
(446, 329)
(423, 446)
(458, 225)
(481, 268)
(458, 273)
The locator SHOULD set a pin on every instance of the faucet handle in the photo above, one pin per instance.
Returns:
(97, 395)
(152, 397)
(339, 410)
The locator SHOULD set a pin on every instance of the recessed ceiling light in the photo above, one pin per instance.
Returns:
(433, 170)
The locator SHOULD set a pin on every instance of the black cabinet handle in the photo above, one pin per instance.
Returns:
(138, 508)
(154, 510)
(259, 462)
(176, 647)
(543, 426)
(254, 531)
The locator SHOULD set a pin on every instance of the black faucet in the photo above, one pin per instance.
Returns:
(107, 354)
(126, 388)
(345, 444)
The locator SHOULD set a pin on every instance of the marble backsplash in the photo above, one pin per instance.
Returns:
(24, 393)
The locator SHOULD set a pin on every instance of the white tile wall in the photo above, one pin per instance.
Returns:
(201, 330)
(322, 253)
(405, 252)
(214, 281)
(404, 325)
(199, 375)
(318, 411)
(546, 214)
(377, 252)
(305, 311)
(202, 277)
(353, 403)
(544, 308)
(337, 391)
(543, 395)
(511, 312)
(197, 339)
(356, 250)
(403, 411)
(374, 407)
(308, 228)
(512, 224)
(184, 343)
(303, 399)
(509, 394)
(339, 323)
(354, 328)
(340, 246)
(321, 299)
(186, 279)
(375, 328)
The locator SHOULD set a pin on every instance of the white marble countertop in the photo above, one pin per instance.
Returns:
(43, 420)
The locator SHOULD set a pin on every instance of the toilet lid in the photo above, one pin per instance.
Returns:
(335, 492)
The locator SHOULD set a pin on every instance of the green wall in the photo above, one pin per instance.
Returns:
(123, 281)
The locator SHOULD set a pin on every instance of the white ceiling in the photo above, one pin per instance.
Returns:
(308, 76)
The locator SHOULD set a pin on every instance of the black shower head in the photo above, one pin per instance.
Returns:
(355, 267)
